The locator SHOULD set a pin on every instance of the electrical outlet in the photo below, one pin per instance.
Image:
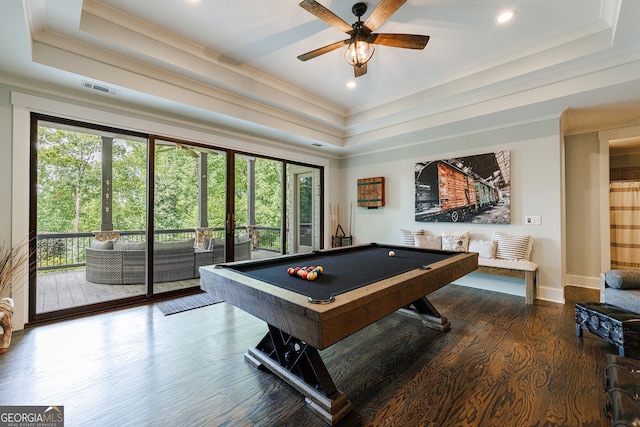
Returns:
(533, 220)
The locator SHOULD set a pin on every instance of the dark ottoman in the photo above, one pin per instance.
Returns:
(622, 383)
(617, 326)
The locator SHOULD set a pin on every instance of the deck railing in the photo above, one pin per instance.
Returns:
(56, 251)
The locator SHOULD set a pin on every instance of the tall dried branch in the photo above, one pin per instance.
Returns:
(12, 260)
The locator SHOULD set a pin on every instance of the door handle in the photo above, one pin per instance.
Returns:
(231, 223)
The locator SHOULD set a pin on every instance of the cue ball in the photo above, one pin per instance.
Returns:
(391, 253)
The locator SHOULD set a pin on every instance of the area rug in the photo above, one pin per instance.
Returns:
(190, 302)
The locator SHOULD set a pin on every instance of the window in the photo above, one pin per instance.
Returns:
(101, 222)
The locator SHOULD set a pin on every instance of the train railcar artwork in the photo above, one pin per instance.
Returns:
(467, 189)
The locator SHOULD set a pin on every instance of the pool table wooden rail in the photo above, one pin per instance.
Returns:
(322, 325)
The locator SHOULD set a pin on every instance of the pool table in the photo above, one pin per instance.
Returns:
(359, 285)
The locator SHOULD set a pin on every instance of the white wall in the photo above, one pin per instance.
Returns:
(582, 172)
(5, 165)
(535, 190)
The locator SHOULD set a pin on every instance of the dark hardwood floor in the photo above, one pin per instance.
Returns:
(502, 364)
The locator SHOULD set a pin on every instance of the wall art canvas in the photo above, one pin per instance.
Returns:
(473, 189)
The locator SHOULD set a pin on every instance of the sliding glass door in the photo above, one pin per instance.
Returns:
(90, 198)
(121, 217)
(258, 214)
(188, 213)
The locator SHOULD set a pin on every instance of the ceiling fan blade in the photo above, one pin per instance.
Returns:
(326, 15)
(382, 12)
(360, 71)
(322, 50)
(407, 41)
(190, 151)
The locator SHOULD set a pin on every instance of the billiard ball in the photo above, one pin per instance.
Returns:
(392, 253)
(312, 275)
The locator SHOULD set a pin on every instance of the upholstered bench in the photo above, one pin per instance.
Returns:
(617, 326)
(622, 387)
(503, 255)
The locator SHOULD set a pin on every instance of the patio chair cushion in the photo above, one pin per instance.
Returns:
(173, 245)
(119, 245)
(97, 244)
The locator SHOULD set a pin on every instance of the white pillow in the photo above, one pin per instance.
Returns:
(512, 247)
(457, 241)
(119, 245)
(428, 242)
(407, 237)
(485, 248)
(97, 244)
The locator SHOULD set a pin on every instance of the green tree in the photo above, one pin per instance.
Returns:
(269, 192)
(176, 190)
(129, 187)
(216, 190)
(68, 180)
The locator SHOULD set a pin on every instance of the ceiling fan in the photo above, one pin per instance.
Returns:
(362, 35)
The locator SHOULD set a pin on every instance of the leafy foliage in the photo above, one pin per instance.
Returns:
(70, 186)
(68, 180)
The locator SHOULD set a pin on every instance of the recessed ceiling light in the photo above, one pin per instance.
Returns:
(351, 84)
(506, 16)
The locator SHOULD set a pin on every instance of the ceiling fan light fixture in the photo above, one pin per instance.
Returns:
(359, 51)
(506, 16)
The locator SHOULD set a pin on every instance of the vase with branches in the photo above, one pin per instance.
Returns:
(11, 261)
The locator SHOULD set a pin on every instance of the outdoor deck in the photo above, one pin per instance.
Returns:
(67, 289)
(58, 290)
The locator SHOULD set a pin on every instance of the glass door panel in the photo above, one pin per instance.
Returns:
(258, 208)
(304, 212)
(213, 224)
(303, 208)
(91, 206)
(189, 191)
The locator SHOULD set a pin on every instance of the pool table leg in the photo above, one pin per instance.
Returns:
(301, 366)
(427, 313)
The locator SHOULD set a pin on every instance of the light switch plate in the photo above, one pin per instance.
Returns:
(533, 220)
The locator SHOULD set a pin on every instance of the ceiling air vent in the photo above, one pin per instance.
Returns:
(100, 88)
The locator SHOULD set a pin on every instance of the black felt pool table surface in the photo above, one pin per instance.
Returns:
(344, 270)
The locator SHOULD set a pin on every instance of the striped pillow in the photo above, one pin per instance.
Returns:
(512, 247)
(407, 237)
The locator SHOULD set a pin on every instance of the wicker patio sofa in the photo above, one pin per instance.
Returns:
(123, 263)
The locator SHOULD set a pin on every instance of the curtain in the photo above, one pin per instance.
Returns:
(624, 202)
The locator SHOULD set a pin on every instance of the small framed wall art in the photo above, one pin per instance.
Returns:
(371, 192)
